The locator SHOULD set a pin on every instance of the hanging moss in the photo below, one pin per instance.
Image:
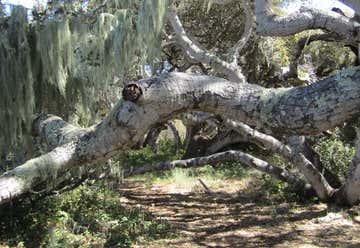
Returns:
(54, 48)
(57, 63)
(16, 80)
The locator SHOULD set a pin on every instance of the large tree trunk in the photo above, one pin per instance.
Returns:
(302, 110)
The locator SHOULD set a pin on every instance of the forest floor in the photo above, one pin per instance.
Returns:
(235, 214)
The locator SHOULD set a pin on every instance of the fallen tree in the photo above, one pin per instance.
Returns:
(303, 110)
(256, 113)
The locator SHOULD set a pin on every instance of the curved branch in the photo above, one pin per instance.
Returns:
(311, 173)
(223, 140)
(248, 30)
(231, 155)
(304, 19)
(298, 110)
(301, 110)
(153, 135)
(197, 53)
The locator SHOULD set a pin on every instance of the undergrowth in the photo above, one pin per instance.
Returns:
(93, 216)
(89, 216)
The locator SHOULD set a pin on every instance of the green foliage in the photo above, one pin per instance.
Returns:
(166, 150)
(328, 57)
(282, 49)
(85, 217)
(278, 190)
(335, 155)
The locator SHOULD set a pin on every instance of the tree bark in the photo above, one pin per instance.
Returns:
(303, 110)
(349, 193)
(294, 155)
(305, 18)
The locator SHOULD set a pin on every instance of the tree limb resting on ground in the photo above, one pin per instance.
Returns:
(302, 110)
(216, 158)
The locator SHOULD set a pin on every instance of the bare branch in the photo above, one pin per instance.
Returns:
(197, 53)
(248, 30)
(176, 134)
(216, 158)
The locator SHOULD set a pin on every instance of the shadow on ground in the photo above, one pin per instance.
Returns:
(242, 219)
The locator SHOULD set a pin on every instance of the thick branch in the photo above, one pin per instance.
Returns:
(47, 167)
(316, 179)
(302, 110)
(304, 19)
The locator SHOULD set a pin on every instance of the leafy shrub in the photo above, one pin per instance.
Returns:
(335, 155)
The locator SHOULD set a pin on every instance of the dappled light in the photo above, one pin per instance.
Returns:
(168, 123)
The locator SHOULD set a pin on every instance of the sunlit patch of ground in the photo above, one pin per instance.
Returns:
(234, 214)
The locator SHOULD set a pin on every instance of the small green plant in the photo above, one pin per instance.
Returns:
(279, 191)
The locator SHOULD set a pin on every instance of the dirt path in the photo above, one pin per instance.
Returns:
(242, 219)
